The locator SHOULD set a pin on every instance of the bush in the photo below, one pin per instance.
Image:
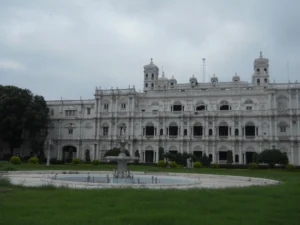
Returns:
(15, 160)
(252, 166)
(272, 157)
(215, 165)
(95, 162)
(205, 160)
(290, 167)
(33, 160)
(198, 165)
(161, 163)
(173, 164)
(115, 152)
(75, 161)
(9, 168)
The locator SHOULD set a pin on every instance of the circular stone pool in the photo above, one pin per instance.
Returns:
(154, 180)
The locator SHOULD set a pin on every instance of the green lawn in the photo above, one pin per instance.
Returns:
(255, 205)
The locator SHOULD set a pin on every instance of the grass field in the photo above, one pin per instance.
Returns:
(255, 205)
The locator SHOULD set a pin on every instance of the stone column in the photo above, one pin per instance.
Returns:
(240, 153)
(275, 128)
(154, 156)
(214, 152)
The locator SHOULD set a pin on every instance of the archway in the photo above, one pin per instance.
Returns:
(69, 152)
(149, 154)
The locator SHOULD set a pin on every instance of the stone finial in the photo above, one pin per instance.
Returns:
(260, 54)
(151, 61)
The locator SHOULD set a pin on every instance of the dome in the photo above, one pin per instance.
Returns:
(163, 77)
(261, 60)
(151, 66)
(235, 77)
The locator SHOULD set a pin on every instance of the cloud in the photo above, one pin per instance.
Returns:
(10, 64)
(66, 48)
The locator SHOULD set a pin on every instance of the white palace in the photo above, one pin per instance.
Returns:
(192, 117)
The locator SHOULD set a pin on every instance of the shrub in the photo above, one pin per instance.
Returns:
(95, 162)
(15, 160)
(252, 166)
(229, 157)
(290, 167)
(161, 153)
(272, 157)
(215, 165)
(115, 152)
(205, 160)
(161, 163)
(75, 161)
(33, 160)
(173, 164)
(9, 168)
(197, 165)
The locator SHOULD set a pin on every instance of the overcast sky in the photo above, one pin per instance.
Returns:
(65, 48)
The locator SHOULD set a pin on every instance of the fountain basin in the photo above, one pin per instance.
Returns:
(166, 180)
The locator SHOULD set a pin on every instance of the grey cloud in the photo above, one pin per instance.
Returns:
(66, 48)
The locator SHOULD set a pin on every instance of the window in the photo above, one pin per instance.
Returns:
(258, 81)
(283, 129)
(210, 132)
(123, 106)
(70, 112)
(106, 106)
(70, 131)
(152, 76)
(146, 75)
(249, 108)
(257, 69)
(52, 112)
(88, 111)
(266, 80)
(146, 85)
(152, 85)
(105, 131)
(161, 132)
(200, 108)
(265, 69)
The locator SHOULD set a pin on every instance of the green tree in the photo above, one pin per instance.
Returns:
(205, 160)
(255, 157)
(229, 157)
(272, 157)
(115, 152)
(161, 153)
(21, 114)
(137, 154)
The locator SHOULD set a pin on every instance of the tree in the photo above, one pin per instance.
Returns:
(161, 153)
(205, 160)
(137, 154)
(255, 157)
(229, 157)
(21, 113)
(272, 157)
(87, 156)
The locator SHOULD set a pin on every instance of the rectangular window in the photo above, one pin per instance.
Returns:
(105, 106)
(105, 131)
(70, 112)
(249, 108)
(88, 111)
(52, 112)
(70, 131)
(282, 129)
(123, 106)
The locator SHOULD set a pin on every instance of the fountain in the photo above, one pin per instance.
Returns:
(122, 170)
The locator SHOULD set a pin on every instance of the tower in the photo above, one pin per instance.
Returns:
(150, 76)
(261, 76)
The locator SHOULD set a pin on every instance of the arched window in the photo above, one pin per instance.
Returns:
(177, 107)
(149, 129)
(236, 132)
(161, 132)
(152, 85)
(152, 76)
(224, 105)
(146, 85)
(200, 108)
(185, 132)
(210, 132)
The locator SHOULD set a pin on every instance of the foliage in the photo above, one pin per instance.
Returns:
(161, 163)
(173, 164)
(22, 115)
(115, 152)
(87, 156)
(75, 161)
(272, 157)
(205, 160)
(229, 157)
(9, 167)
(252, 166)
(290, 167)
(137, 154)
(161, 153)
(95, 162)
(33, 160)
(15, 160)
(198, 165)
(181, 158)
(215, 165)
(255, 157)
(169, 156)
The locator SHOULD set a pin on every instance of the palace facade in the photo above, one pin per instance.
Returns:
(192, 117)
